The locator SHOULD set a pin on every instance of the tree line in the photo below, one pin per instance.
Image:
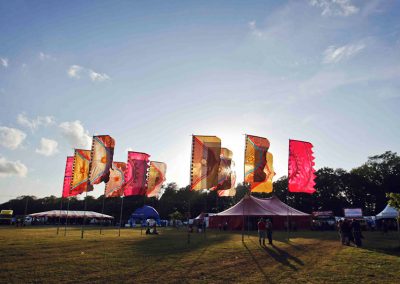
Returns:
(369, 187)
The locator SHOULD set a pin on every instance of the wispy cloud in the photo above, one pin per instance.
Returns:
(4, 62)
(77, 72)
(335, 7)
(254, 30)
(335, 54)
(11, 138)
(34, 123)
(48, 147)
(43, 56)
(9, 168)
(76, 134)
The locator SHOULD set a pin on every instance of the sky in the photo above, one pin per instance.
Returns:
(152, 73)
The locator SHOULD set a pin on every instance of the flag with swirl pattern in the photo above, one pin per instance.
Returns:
(266, 186)
(206, 152)
(301, 167)
(156, 178)
(80, 172)
(68, 177)
(255, 161)
(136, 173)
(115, 184)
(102, 156)
(224, 170)
(230, 191)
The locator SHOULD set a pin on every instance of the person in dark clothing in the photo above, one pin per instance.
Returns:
(346, 230)
(341, 233)
(269, 231)
(356, 230)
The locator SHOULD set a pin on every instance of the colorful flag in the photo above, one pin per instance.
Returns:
(269, 170)
(301, 167)
(102, 156)
(224, 170)
(255, 161)
(80, 172)
(206, 153)
(230, 191)
(115, 184)
(68, 177)
(136, 174)
(156, 178)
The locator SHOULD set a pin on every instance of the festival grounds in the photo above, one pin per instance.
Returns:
(39, 255)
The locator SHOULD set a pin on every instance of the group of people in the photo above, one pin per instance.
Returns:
(264, 229)
(350, 232)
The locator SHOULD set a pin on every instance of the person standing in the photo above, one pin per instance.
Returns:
(268, 226)
(356, 230)
(261, 226)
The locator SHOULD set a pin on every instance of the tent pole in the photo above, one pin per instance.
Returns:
(66, 218)
(102, 212)
(84, 217)
(59, 218)
(120, 216)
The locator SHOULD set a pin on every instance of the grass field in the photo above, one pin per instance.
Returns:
(38, 255)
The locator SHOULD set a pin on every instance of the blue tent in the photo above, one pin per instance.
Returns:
(143, 213)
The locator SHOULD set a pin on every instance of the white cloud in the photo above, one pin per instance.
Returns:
(335, 54)
(8, 168)
(76, 71)
(76, 134)
(11, 138)
(335, 7)
(254, 30)
(34, 123)
(43, 56)
(97, 77)
(4, 62)
(48, 147)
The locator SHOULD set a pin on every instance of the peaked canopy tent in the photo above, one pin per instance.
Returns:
(71, 214)
(143, 213)
(388, 212)
(253, 208)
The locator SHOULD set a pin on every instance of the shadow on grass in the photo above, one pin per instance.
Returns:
(258, 264)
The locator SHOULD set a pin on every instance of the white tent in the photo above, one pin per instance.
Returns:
(388, 212)
(71, 214)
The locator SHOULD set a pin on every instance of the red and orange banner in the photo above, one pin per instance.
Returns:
(301, 167)
(80, 172)
(255, 161)
(206, 151)
(136, 173)
(224, 170)
(156, 178)
(266, 186)
(102, 156)
(116, 182)
(230, 191)
(68, 177)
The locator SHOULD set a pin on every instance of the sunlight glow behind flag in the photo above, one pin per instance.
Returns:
(156, 178)
(80, 172)
(255, 161)
(68, 177)
(224, 170)
(116, 182)
(206, 152)
(301, 167)
(102, 156)
(136, 173)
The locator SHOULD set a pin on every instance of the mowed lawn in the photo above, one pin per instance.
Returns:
(38, 255)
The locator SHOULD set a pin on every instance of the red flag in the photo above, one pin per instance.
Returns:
(301, 167)
(136, 173)
(68, 177)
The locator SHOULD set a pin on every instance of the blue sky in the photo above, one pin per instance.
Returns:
(152, 73)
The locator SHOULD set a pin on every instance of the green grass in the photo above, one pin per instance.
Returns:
(38, 255)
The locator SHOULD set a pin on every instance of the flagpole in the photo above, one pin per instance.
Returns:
(102, 212)
(120, 216)
(244, 184)
(84, 217)
(59, 218)
(287, 196)
(66, 218)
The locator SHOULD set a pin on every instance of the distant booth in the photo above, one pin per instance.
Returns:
(142, 214)
(73, 216)
(251, 208)
(389, 215)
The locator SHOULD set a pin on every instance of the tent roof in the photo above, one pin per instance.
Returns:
(145, 212)
(71, 214)
(253, 206)
(388, 212)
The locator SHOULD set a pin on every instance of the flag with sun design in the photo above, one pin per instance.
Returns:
(115, 184)
(102, 156)
(80, 172)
